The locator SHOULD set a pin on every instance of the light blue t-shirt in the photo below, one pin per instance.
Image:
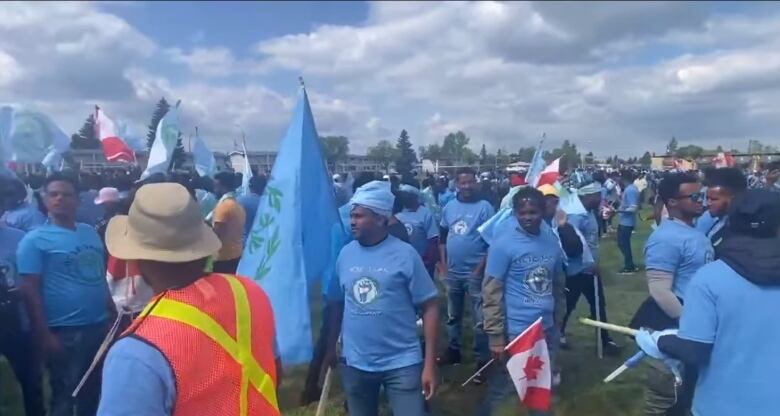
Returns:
(680, 249)
(88, 212)
(420, 226)
(739, 318)
(465, 246)
(9, 278)
(527, 265)
(381, 286)
(25, 217)
(72, 267)
(630, 198)
(446, 197)
(587, 225)
(137, 381)
(249, 203)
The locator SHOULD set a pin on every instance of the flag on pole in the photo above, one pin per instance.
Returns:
(289, 244)
(165, 139)
(205, 164)
(115, 149)
(537, 164)
(32, 137)
(550, 174)
(247, 174)
(529, 367)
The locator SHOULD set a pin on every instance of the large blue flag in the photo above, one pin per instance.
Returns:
(32, 137)
(289, 245)
(537, 166)
(205, 163)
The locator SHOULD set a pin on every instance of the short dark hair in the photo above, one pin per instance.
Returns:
(627, 175)
(257, 184)
(530, 193)
(465, 170)
(227, 179)
(729, 178)
(670, 185)
(60, 177)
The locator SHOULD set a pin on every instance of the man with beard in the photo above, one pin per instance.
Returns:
(723, 185)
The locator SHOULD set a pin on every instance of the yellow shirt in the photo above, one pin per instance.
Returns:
(230, 213)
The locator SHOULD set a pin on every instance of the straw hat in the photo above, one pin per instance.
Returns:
(164, 224)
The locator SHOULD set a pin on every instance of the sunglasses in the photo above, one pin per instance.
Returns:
(694, 197)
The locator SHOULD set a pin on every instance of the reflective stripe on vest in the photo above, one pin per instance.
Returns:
(240, 349)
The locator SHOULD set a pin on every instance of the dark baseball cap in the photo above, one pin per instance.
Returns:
(756, 213)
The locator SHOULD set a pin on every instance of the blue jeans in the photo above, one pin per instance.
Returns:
(624, 244)
(79, 345)
(457, 287)
(500, 385)
(403, 387)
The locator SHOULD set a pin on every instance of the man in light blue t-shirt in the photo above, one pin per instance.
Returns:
(379, 287)
(524, 282)
(674, 252)
(629, 205)
(727, 328)
(62, 269)
(19, 213)
(420, 225)
(462, 251)
(724, 185)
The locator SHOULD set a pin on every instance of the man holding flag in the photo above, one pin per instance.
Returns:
(524, 276)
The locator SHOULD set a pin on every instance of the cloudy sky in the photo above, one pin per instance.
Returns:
(613, 77)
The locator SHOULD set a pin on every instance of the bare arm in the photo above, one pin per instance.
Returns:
(480, 269)
(31, 291)
(220, 229)
(430, 317)
(660, 285)
(335, 317)
(443, 232)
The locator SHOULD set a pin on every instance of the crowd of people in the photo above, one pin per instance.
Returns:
(158, 257)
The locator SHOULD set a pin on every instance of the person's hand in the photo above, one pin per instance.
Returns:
(497, 353)
(648, 342)
(52, 347)
(442, 268)
(429, 381)
(560, 217)
(330, 359)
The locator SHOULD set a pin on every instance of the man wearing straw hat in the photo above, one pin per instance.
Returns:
(205, 342)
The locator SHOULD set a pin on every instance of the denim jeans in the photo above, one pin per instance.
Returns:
(500, 385)
(403, 387)
(79, 345)
(624, 244)
(457, 287)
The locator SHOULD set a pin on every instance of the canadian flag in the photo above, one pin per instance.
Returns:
(529, 367)
(113, 147)
(550, 174)
(128, 289)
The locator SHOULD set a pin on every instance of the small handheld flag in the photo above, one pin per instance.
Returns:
(529, 367)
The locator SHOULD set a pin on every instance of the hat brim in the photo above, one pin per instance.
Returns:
(99, 201)
(122, 245)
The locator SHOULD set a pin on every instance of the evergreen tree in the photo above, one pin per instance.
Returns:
(86, 138)
(671, 148)
(159, 113)
(406, 157)
(646, 160)
(483, 155)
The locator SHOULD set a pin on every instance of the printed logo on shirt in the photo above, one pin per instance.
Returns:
(460, 228)
(409, 228)
(365, 290)
(538, 281)
(86, 264)
(708, 256)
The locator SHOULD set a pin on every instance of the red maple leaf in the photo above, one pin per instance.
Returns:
(532, 367)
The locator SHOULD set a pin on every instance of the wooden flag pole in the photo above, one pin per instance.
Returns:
(325, 392)
(610, 327)
(596, 300)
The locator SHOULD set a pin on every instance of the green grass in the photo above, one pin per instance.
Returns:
(581, 394)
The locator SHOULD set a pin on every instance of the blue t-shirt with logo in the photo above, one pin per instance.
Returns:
(420, 226)
(527, 265)
(738, 318)
(72, 267)
(25, 217)
(381, 286)
(587, 225)
(680, 249)
(465, 246)
(629, 198)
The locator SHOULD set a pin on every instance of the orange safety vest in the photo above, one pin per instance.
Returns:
(217, 334)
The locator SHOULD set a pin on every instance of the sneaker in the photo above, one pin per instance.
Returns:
(563, 343)
(556, 379)
(449, 357)
(611, 349)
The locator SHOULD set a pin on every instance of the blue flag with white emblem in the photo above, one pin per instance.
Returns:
(289, 244)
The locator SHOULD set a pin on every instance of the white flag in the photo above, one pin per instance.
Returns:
(165, 139)
(205, 164)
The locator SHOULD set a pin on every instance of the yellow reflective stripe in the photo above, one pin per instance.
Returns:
(243, 336)
(194, 317)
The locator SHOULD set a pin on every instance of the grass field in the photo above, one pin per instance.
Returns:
(581, 393)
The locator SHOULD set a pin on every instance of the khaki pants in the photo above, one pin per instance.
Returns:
(662, 397)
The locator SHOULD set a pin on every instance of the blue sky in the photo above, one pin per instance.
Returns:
(616, 77)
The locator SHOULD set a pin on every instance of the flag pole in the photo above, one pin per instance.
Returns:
(325, 393)
(596, 299)
(610, 327)
(478, 372)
